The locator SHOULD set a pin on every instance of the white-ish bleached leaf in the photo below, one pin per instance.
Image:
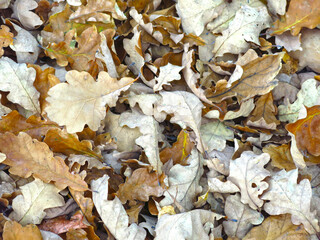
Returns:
(245, 28)
(215, 185)
(184, 182)
(248, 173)
(18, 80)
(308, 96)
(46, 235)
(194, 224)
(186, 109)
(196, 14)
(36, 197)
(168, 73)
(82, 100)
(243, 217)
(229, 11)
(25, 45)
(289, 42)
(277, 6)
(4, 4)
(22, 11)
(214, 135)
(151, 135)
(3, 110)
(286, 196)
(113, 214)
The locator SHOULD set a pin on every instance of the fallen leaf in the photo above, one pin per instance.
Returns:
(82, 100)
(306, 131)
(18, 80)
(300, 14)
(280, 156)
(22, 11)
(188, 225)
(141, 185)
(85, 203)
(285, 195)
(6, 38)
(248, 173)
(76, 234)
(277, 6)
(168, 73)
(27, 156)
(277, 227)
(36, 197)
(13, 231)
(258, 79)
(289, 42)
(241, 217)
(109, 210)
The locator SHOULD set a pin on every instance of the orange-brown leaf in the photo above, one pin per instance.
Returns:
(6, 38)
(27, 156)
(85, 204)
(66, 143)
(179, 151)
(258, 78)
(307, 131)
(280, 156)
(301, 13)
(140, 186)
(14, 231)
(14, 122)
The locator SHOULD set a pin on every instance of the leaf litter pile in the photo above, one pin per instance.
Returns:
(150, 119)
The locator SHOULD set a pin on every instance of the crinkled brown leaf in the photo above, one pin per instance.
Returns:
(258, 78)
(27, 156)
(6, 38)
(14, 231)
(280, 156)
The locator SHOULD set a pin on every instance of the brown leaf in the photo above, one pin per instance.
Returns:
(66, 143)
(6, 38)
(301, 13)
(33, 126)
(179, 151)
(258, 78)
(27, 156)
(263, 116)
(62, 224)
(307, 131)
(140, 186)
(14, 231)
(280, 156)
(134, 212)
(77, 234)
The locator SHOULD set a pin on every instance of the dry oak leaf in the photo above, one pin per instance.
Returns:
(277, 228)
(248, 173)
(141, 185)
(263, 116)
(14, 231)
(258, 78)
(82, 100)
(22, 11)
(85, 203)
(18, 80)
(36, 197)
(301, 13)
(27, 156)
(168, 73)
(113, 213)
(286, 196)
(280, 156)
(6, 38)
(307, 131)
(34, 126)
(61, 141)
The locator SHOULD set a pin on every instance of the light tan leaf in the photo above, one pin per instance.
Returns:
(168, 73)
(184, 182)
(289, 42)
(6, 37)
(248, 173)
(36, 197)
(245, 217)
(186, 108)
(244, 28)
(280, 156)
(82, 100)
(215, 185)
(277, 227)
(286, 196)
(4, 4)
(151, 135)
(277, 6)
(188, 225)
(113, 213)
(14, 231)
(258, 79)
(22, 11)
(27, 156)
(18, 80)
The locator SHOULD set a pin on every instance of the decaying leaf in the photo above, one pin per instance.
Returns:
(6, 38)
(280, 156)
(285, 195)
(36, 197)
(27, 156)
(258, 79)
(82, 100)
(167, 74)
(22, 11)
(13, 231)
